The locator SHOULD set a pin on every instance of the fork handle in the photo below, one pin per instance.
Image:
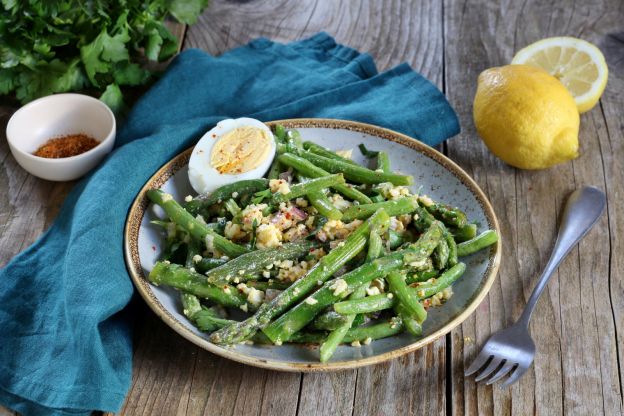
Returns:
(582, 211)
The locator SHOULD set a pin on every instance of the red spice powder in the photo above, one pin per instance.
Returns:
(66, 146)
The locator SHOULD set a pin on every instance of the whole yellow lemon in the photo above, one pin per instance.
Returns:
(526, 117)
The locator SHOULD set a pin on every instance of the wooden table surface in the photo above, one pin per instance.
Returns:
(579, 322)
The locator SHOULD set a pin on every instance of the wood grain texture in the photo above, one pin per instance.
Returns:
(576, 369)
(578, 325)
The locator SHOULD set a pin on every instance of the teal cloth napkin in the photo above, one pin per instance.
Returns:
(65, 345)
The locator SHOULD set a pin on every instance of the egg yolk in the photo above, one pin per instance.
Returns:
(240, 150)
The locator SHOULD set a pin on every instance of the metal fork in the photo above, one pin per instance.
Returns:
(511, 350)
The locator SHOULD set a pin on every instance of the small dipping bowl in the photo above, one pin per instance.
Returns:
(55, 116)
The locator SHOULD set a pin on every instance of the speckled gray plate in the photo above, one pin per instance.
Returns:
(438, 177)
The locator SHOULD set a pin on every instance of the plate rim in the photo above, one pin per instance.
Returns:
(139, 205)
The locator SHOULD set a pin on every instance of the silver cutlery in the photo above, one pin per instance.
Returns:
(511, 350)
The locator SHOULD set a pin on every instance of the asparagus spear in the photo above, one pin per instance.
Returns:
(447, 214)
(326, 267)
(240, 188)
(250, 265)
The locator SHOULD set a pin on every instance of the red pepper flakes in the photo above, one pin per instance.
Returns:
(66, 146)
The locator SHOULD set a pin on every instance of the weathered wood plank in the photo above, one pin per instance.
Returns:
(576, 368)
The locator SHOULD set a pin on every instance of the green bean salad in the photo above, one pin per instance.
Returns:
(322, 250)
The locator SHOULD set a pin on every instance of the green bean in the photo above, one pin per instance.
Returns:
(421, 276)
(329, 321)
(308, 169)
(270, 284)
(208, 263)
(356, 173)
(190, 305)
(293, 138)
(452, 249)
(313, 185)
(395, 239)
(441, 254)
(369, 154)
(336, 336)
(383, 162)
(465, 233)
(298, 317)
(427, 289)
(323, 205)
(377, 198)
(203, 202)
(375, 246)
(193, 226)
(322, 271)
(378, 331)
(274, 171)
(423, 219)
(381, 302)
(395, 207)
(208, 320)
(280, 132)
(184, 279)
(363, 333)
(232, 207)
(483, 240)
(410, 302)
(410, 323)
(248, 266)
(368, 304)
(320, 150)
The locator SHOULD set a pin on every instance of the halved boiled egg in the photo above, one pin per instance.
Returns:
(235, 149)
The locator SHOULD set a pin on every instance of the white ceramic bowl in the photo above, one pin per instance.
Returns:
(58, 115)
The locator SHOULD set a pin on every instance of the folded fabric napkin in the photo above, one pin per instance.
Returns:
(65, 347)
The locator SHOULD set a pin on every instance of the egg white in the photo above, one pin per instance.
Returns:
(203, 177)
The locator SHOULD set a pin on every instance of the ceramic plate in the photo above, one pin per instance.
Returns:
(435, 174)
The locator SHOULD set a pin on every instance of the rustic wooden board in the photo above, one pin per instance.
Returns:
(578, 325)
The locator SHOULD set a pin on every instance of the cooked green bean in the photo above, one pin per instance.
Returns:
(383, 162)
(465, 233)
(193, 226)
(275, 169)
(232, 207)
(323, 205)
(360, 334)
(483, 240)
(410, 302)
(295, 319)
(356, 173)
(308, 169)
(194, 283)
(428, 289)
(335, 337)
(280, 132)
(395, 207)
(320, 150)
(313, 185)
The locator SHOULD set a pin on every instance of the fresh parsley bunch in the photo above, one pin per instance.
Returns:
(50, 46)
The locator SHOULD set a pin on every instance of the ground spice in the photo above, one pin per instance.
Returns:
(66, 146)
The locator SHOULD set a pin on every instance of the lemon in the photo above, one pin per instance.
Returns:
(578, 64)
(526, 116)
